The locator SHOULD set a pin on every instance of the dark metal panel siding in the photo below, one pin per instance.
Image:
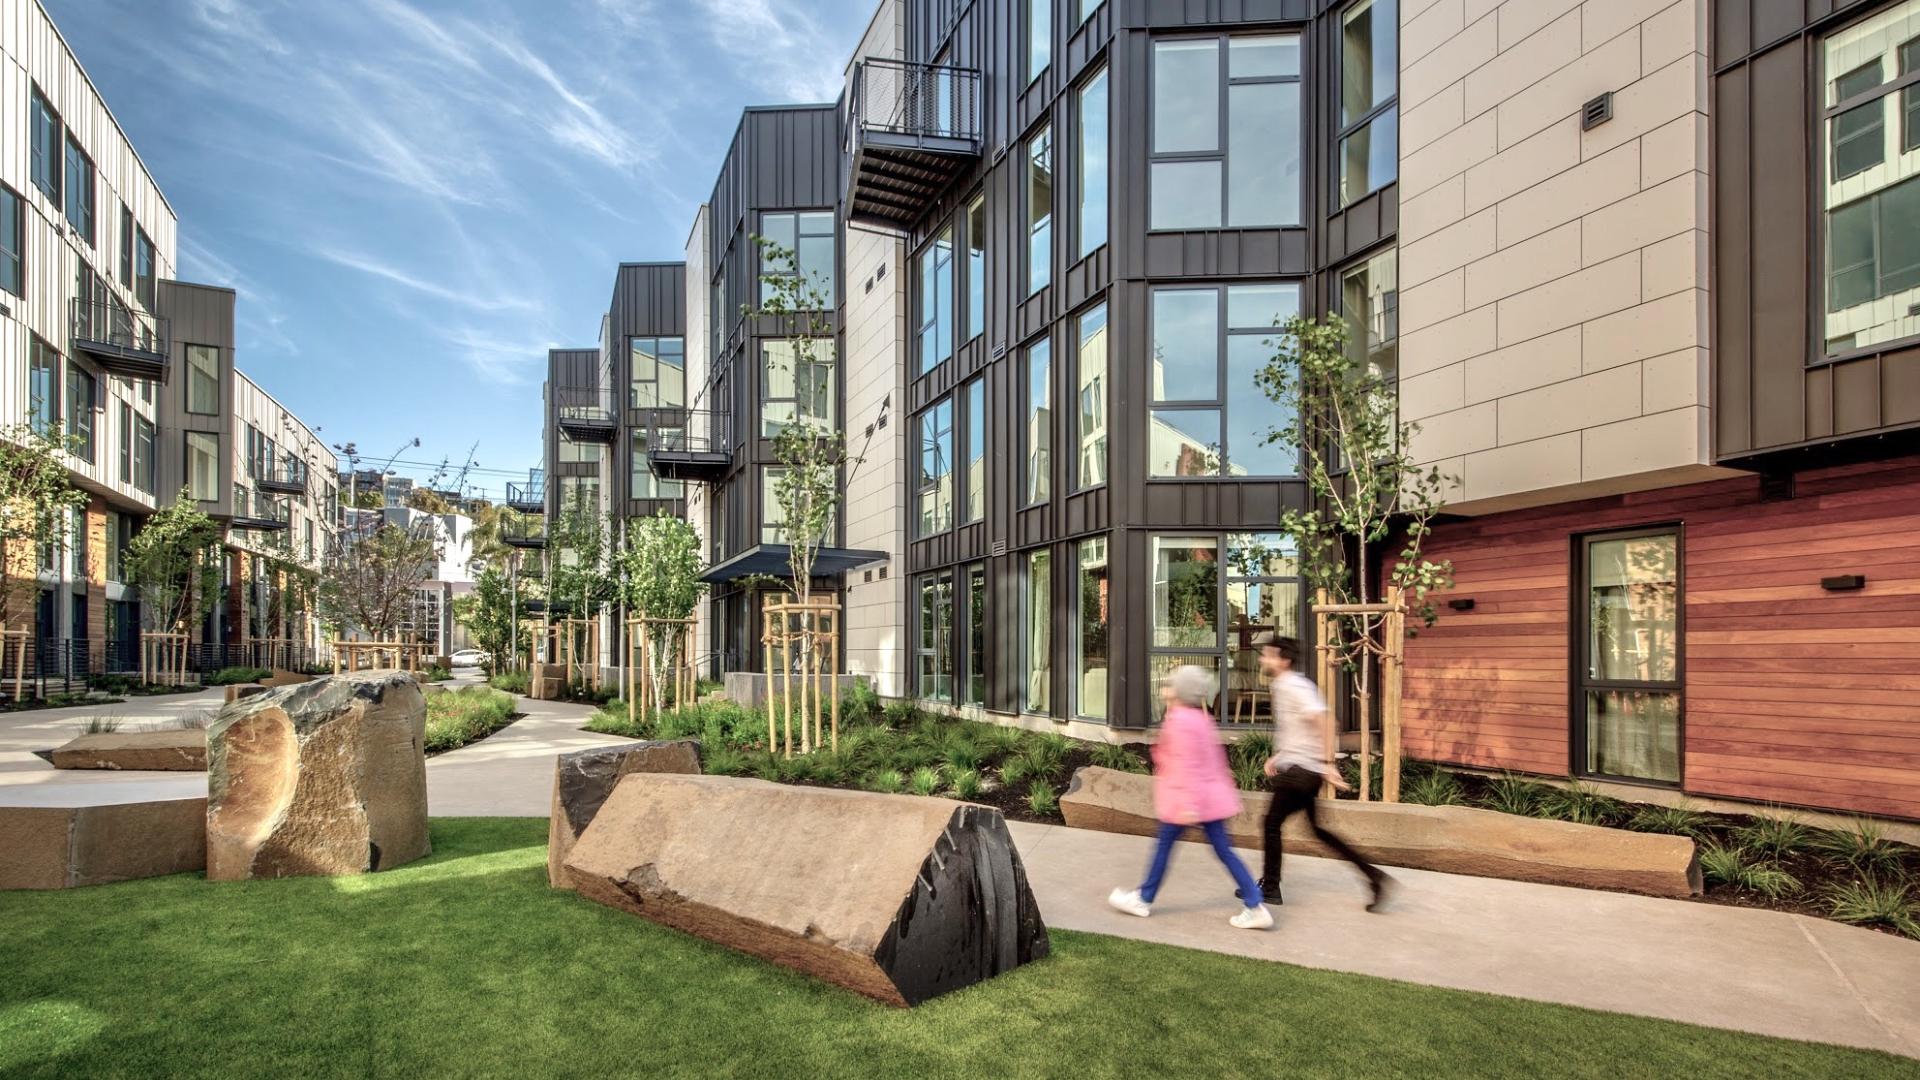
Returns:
(197, 315)
(649, 300)
(1779, 254)
(1733, 267)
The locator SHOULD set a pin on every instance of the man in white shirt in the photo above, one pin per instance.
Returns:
(1302, 758)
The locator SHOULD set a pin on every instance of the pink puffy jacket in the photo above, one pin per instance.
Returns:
(1192, 783)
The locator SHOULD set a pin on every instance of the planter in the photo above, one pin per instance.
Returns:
(179, 750)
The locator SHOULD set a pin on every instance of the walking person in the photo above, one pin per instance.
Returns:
(1192, 785)
(1302, 759)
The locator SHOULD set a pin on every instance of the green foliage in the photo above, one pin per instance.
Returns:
(722, 761)
(1677, 820)
(1042, 801)
(228, 676)
(437, 673)
(373, 572)
(966, 784)
(1000, 739)
(513, 682)
(1511, 793)
(37, 499)
(1350, 772)
(1015, 770)
(1432, 787)
(924, 781)
(469, 714)
(959, 751)
(1247, 755)
(887, 781)
(1873, 901)
(658, 575)
(175, 563)
(1046, 752)
(580, 571)
(899, 714)
(1580, 804)
(103, 725)
(1772, 837)
(858, 703)
(1863, 846)
(1115, 756)
(1731, 866)
(490, 616)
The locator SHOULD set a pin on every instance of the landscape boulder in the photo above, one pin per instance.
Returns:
(583, 779)
(63, 847)
(892, 896)
(1451, 839)
(324, 777)
(283, 677)
(237, 691)
(176, 750)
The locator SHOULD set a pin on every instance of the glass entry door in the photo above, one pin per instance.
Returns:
(1627, 698)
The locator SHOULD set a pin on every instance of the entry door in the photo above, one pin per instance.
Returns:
(1627, 694)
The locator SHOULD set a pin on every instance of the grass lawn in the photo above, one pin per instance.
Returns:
(466, 964)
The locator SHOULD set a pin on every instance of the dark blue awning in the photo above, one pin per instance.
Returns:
(770, 560)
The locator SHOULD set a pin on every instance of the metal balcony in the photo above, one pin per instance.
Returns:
(690, 444)
(120, 340)
(285, 477)
(912, 130)
(256, 512)
(586, 413)
(530, 497)
(523, 530)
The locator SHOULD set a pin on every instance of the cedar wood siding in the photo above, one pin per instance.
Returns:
(1793, 694)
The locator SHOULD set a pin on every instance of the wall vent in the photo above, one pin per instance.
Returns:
(999, 548)
(1596, 112)
(1776, 486)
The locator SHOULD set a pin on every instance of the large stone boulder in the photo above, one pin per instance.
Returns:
(892, 896)
(284, 677)
(1452, 839)
(324, 777)
(178, 750)
(583, 779)
(62, 847)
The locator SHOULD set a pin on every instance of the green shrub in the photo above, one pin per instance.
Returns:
(1731, 866)
(459, 717)
(959, 751)
(111, 684)
(1863, 846)
(858, 703)
(1115, 756)
(1433, 787)
(796, 769)
(1042, 801)
(1014, 770)
(103, 725)
(899, 714)
(722, 761)
(1678, 820)
(1510, 793)
(765, 765)
(436, 673)
(924, 781)
(1579, 804)
(966, 784)
(1248, 775)
(1001, 739)
(1871, 901)
(1772, 837)
(914, 753)
(1045, 753)
(228, 676)
(513, 682)
(886, 781)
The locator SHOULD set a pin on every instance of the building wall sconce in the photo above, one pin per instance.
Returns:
(1464, 604)
(1844, 582)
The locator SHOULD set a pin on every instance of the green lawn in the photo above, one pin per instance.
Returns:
(466, 964)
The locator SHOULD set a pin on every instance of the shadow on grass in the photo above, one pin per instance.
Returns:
(467, 963)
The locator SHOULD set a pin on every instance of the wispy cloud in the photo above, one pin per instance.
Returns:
(372, 265)
(240, 21)
(784, 48)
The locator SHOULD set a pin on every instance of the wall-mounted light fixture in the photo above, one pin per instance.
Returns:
(1844, 582)
(1464, 604)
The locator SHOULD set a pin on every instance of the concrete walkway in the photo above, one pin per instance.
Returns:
(1747, 970)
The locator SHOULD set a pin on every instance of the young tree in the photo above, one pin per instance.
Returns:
(660, 579)
(36, 501)
(1364, 482)
(373, 571)
(488, 614)
(175, 563)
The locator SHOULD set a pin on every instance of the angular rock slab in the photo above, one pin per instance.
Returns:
(325, 777)
(64, 847)
(583, 779)
(1450, 839)
(896, 897)
(178, 750)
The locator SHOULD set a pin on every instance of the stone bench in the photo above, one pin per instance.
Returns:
(63, 847)
(176, 750)
(583, 779)
(1450, 839)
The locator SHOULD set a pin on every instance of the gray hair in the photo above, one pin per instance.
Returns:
(1193, 685)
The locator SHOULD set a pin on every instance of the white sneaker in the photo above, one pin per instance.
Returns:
(1128, 900)
(1253, 918)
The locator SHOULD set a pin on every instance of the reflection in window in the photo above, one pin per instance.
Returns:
(933, 480)
(82, 400)
(796, 385)
(1369, 140)
(1370, 302)
(934, 282)
(1036, 608)
(79, 190)
(1872, 194)
(1241, 169)
(1039, 37)
(1209, 417)
(203, 466)
(1090, 418)
(659, 372)
(1092, 226)
(976, 451)
(12, 241)
(569, 452)
(645, 484)
(44, 154)
(1258, 589)
(810, 237)
(1037, 439)
(1039, 211)
(1632, 721)
(1094, 601)
(935, 644)
(43, 388)
(1186, 592)
(976, 686)
(203, 380)
(976, 269)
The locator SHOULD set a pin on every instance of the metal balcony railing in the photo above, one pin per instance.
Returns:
(690, 444)
(912, 130)
(258, 512)
(530, 497)
(523, 530)
(586, 412)
(286, 476)
(122, 341)
(924, 101)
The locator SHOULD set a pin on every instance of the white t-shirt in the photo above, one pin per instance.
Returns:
(1298, 737)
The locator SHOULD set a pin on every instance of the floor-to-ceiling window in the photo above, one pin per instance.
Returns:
(933, 476)
(974, 453)
(797, 385)
(1370, 302)
(935, 645)
(1091, 223)
(659, 372)
(1093, 602)
(203, 466)
(1208, 417)
(1629, 676)
(976, 683)
(1225, 139)
(933, 302)
(1368, 153)
(976, 269)
(1090, 413)
(1039, 210)
(1036, 614)
(1211, 594)
(810, 237)
(1037, 424)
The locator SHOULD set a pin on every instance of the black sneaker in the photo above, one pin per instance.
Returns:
(1268, 893)
(1383, 887)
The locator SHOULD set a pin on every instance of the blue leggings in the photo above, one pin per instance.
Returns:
(1222, 846)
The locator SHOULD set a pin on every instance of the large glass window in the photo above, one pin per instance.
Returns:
(1096, 614)
(78, 547)
(203, 466)
(569, 452)
(1369, 140)
(1370, 302)
(976, 269)
(1036, 611)
(934, 647)
(1039, 37)
(1207, 613)
(1209, 418)
(659, 373)
(773, 516)
(645, 484)
(144, 272)
(12, 244)
(1240, 169)
(126, 246)
(1037, 436)
(44, 164)
(80, 190)
(1039, 211)
(1872, 181)
(43, 387)
(810, 237)
(203, 380)
(580, 495)
(82, 400)
(1090, 417)
(933, 479)
(976, 684)
(976, 451)
(145, 461)
(934, 302)
(796, 388)
(1630, 684)
(1092, 225)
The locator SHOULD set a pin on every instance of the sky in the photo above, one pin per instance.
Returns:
(416, 199)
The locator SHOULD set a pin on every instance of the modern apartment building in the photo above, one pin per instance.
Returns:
(98, 341)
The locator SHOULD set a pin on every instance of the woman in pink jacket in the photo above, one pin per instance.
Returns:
(1192, 785)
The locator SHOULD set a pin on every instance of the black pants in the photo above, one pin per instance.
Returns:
(1294, 791)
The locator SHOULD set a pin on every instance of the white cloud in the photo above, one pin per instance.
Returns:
(375, 267)
(784, 49)
(240, 21)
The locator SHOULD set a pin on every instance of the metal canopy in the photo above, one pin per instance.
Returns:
(770, 560)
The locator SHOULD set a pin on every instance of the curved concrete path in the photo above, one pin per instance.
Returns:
(1747, 970)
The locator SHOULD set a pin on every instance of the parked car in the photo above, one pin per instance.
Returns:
(469, 658)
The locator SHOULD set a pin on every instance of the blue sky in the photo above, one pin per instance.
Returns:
(417, 198)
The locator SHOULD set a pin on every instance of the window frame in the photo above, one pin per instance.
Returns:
(126, 247)
(934, 305)
(1222, 650)
(1364, 263)
(660, 489)
(1078, 481)
(146, 459)
(1223, 150)
(145, 280)
(13, 246)
(1391, 104)
(51, 157)
(81, 429)
(927, 494)
(830, 281)
(88, 190)
(974, 648)
(1081, 622)
(1034, 148)
(1039, 50)
(634, 382)
(971, 442)
(1029, 602)
(213, 454)
(1082, 158)
(1036, 475)
(976, 275)
(1222, 403)
(187, 398)
(44, 413)
(1581, 658)
(768, 430)
(943, 649)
